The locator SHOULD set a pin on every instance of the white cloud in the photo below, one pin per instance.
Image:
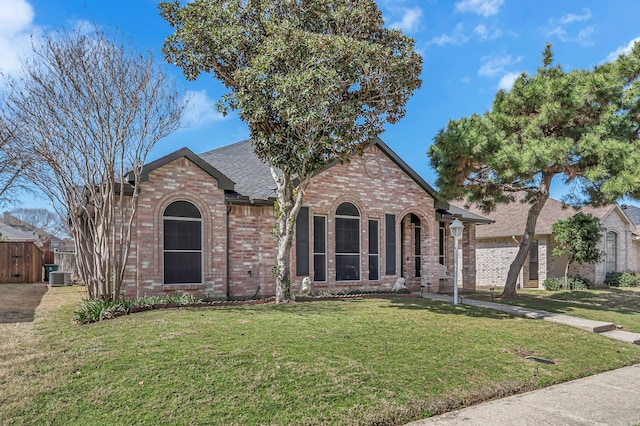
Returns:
(572, 17)
(466, 80)
(16, 26)
(507, 80)
(457, 37)
(200, 109)
(565, 28)
(496, 65)
(623, 50)
(484, 34)
(410, 20)
(480, 7)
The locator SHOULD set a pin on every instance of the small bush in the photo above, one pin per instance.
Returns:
(575, 282)
(621, 279)
(92, 310)
(181, 299)
(553, 284)
(147, 301)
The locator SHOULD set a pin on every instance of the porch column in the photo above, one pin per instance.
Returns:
(469, 257)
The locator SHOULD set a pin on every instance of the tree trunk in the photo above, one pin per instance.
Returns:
(542, 195)
(566, 275)
(286, 209)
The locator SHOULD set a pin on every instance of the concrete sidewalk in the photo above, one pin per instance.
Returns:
(611, 398)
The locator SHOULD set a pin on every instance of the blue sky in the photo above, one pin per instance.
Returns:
(470, 48)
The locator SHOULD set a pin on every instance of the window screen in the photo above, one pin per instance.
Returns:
(319, 248)
(302, 242)
(390, 244)
(182, 241)
(347, 223)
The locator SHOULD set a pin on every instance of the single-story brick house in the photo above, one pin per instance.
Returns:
(497, 245)
(204, 225)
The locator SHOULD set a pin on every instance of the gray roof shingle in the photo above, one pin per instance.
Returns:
(633, 213)
(7, 233)
(238, 162)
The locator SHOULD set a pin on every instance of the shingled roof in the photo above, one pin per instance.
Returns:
(8, 233)
(633, 213)
(239, 163)
(510, 219)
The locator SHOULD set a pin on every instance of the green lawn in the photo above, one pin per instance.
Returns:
(354, 361)
(617, 305)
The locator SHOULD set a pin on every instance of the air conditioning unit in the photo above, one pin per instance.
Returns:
(59, 278)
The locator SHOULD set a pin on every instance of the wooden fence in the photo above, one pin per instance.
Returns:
(20, 262)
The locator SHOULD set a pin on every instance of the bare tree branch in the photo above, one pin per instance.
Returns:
(88, 109)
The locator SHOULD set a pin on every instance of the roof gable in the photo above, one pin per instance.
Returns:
(438, 202)
(254, 180)
(223, 181)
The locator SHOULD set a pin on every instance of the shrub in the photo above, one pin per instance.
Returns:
(147, 301)
(553, 284)
(181, 299)
(621, 279)
(92, 310)
(575, 282)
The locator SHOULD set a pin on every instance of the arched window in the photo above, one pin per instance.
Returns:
(182, 243)
(347, 243)
(611, 252)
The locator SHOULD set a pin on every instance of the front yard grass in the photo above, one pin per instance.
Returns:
(618, 305)
(344, 362)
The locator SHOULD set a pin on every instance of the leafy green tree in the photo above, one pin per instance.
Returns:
(581, 126)
(315, 81)
(577, 237)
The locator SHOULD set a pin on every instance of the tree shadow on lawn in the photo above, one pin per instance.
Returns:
(18, 302)
(609, 300)
(446, 308)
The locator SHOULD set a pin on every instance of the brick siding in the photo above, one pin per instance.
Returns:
(373, 183)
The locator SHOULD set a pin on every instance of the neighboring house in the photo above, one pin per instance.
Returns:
(204, 225)
(497, 245)
(20, 258)
(47, 242)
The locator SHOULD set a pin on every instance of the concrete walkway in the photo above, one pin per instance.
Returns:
(611, 398)
(608, 329)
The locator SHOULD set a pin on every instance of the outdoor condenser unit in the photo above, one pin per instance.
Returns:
(59, 278)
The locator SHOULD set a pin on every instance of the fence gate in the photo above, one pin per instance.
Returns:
(20, 262)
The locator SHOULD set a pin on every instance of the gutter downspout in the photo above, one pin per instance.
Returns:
(228, 284)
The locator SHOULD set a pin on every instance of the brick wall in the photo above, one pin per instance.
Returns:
(493, 258)
(376, 186)
(373, 183)
(175, 181)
